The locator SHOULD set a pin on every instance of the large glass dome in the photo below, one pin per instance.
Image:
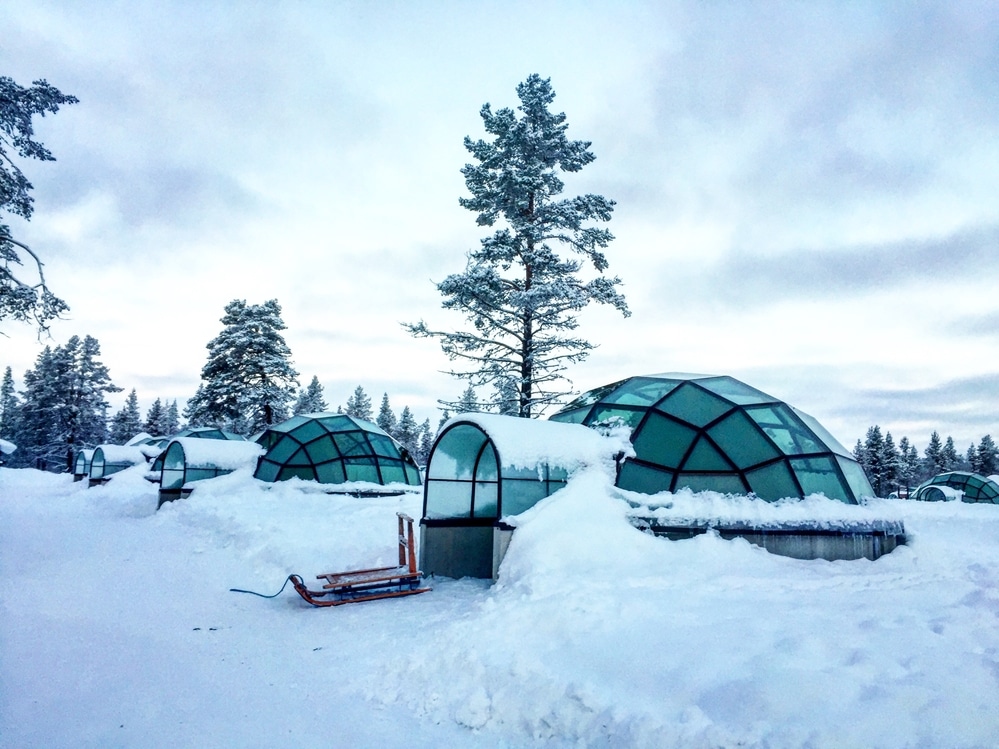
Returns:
(716, 433)
(334, 449)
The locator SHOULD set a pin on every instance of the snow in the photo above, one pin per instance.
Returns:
(528, 443)
(118, 628)
(122, 454)
(6, 448)
(225, 454)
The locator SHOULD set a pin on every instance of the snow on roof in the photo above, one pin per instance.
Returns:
(7, 447)
(140, 437)
(228, 454)
(121, 454)
(528, 443)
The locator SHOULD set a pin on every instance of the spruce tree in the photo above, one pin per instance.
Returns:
(507, 398)
(127, 422)
(407, 432)
(890, 460)
(310, 399)
(908, 462)
(933, 457)
(520, 297)
(468, 403)
(426, 444)
(951, 460)
(171, 422)
(24, 298)
(988, 456)
(874, 462)
(359, 405)
(445, 416)
(8, 405)
(156, 420)
(386, 419)
(248, 381)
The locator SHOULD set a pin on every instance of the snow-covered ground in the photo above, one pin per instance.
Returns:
(117, 628)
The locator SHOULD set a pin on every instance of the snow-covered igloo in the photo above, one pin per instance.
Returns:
(334, 449)
(485, 467)
(188, 459)
(108, 460)
(973, 487)
(716, 433)
(81, 465)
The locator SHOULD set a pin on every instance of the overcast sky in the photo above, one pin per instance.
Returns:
(806, 193)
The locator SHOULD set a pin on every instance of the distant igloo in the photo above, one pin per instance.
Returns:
(973, 488)
(334, 449)
(716, 433)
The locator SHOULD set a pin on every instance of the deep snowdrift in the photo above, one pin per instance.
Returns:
(117, 627)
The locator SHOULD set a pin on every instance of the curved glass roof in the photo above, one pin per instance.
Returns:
(976, 488)
(716, 433)
(334, 449)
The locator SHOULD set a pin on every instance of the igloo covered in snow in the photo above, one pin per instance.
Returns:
(108, 460)
(81, 465)
(188, 459)
(334, 449)
(484, 467)
(716, 433)
(974, 488)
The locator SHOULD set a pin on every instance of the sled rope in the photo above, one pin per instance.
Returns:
(254, 593)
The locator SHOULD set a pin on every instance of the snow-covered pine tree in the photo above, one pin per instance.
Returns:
(874, 460)
(908, 462)
(359, 405)
(987, 456)
(507, 397)
(155, 423)
(24, 298)
(194, 409)
(891, 460)
(445, 415)
(386, 418)
(468, 403)
(933, 457)
(407, 432)
(426, 443)
(951, 460)
(310, 399)
(127, 422)
(520, 296)
(171, 422)
(8, 405)
(248, 382)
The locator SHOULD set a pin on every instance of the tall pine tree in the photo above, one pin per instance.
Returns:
(248, 382)
(127, 422)
(520, 296)
(407, 431)
(310, 400)
(8, 405)
(386, 418)
(359, 405)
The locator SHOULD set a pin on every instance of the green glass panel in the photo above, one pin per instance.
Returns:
(735, 391)
(694, 405)
(530, 474)
(198, 474)
(704, 457)
(819, 476)
(485, 499)
(412, 475)
(392, 472)
(575, 416)
(856, 479)
(522, 494)
(361, 469)
(742, 441)
(299, 458)
(352, 444)
(488, 469)
(645, 479)
(338, 423)
(310, 430)
(455, 453)
(267, 470)
(283, 450)
(558, 474)
(290, 424)
(173, 459)
(662, 441)
(172, 478)
(269, 438)
(330, 473)
(321, 450)
(306, 473)
(449, 499)
(640, 391)
(383, 445)
(609, 415)
(773, 482)
(790, 435)
(725, 483)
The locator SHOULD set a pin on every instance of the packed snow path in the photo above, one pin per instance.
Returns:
(117, 629)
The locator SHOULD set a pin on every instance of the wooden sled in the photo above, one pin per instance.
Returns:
(369, 585)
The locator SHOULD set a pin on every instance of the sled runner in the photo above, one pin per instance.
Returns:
(368, 585)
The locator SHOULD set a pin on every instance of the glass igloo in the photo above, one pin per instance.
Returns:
(716, 433)
(974, 488)
(334, 449)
